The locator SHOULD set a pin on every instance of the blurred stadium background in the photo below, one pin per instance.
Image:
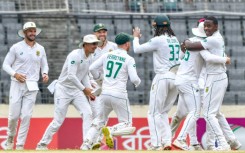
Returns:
(65, 22)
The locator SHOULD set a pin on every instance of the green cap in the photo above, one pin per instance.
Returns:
(161, 21)
(122, 38)
(99, 27)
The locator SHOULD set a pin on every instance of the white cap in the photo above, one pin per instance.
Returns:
(26, 26)
(89, 39)
(199, 31)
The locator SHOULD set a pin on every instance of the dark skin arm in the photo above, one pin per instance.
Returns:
(192, 46)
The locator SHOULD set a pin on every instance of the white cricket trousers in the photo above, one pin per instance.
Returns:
(163, 93)
(225, 127)
(214, 92)
(111, 100)
(189, 99)
(61, 104)
(21, 103)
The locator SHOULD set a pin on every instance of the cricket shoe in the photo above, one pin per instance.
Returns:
(96, 146)
(167, 146)
(41, 146)
(156, 148)
(235, 144)
(19, 147)
(223, 148)
(181, 144)
(108, 137)
(195, 147)
(10, 143)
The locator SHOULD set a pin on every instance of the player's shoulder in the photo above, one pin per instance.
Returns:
(112, 45)
(18, 44)
(75, 53)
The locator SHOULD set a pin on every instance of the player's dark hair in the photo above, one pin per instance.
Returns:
(163, 30)
(212, 18)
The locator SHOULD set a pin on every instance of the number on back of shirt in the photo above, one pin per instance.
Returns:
(174, 52)
(110, 66)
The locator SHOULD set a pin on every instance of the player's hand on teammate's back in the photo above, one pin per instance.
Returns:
(183, 49)
(88, 92)
(20, 77)
(228, 60)
(136, 32)
(45, 78)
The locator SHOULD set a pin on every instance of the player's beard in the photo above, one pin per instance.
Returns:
(31, 38)
(102, 41)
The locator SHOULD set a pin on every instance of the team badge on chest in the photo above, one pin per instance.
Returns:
(38, 53)
(206, 89)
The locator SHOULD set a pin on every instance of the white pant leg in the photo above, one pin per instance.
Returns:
(17, 90)
(120, 104)
(97, 123)
(162, 96)
(210, 140)
(171, 97)
(28, 102)
(60, 109)
(95, 105)
(191, 96)
(215, 89)
(225, 127)
(179, 115)
(81, 103)
(193, 135)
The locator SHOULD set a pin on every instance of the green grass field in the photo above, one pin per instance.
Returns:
(112, 151)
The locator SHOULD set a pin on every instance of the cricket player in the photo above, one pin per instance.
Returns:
(165, 48)
(117, 67)
(23, 63)
(104, 46)
(72, 87)
(216, 81)
(187, 77)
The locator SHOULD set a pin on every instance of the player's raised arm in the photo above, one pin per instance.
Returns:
(146, 47)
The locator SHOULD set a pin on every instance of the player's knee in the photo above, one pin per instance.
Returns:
(25, 117)
(208, 116)
(57, 123)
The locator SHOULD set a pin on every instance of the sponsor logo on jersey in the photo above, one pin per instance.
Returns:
(72, 62)
(134, 65)
(21, 53)
(81, 61)
(38, 53)
(205, 40)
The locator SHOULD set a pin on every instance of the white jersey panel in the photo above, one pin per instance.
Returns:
(190, 66)
(117, 67)
(110, 46)
(26, 60)
(215, 45)
(74, 74)
(165, 51)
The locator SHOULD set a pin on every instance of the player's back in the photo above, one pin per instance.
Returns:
(116, 72)
(190, 66)
(167, 53)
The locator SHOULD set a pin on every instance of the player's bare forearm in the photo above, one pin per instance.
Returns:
(193, 46)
